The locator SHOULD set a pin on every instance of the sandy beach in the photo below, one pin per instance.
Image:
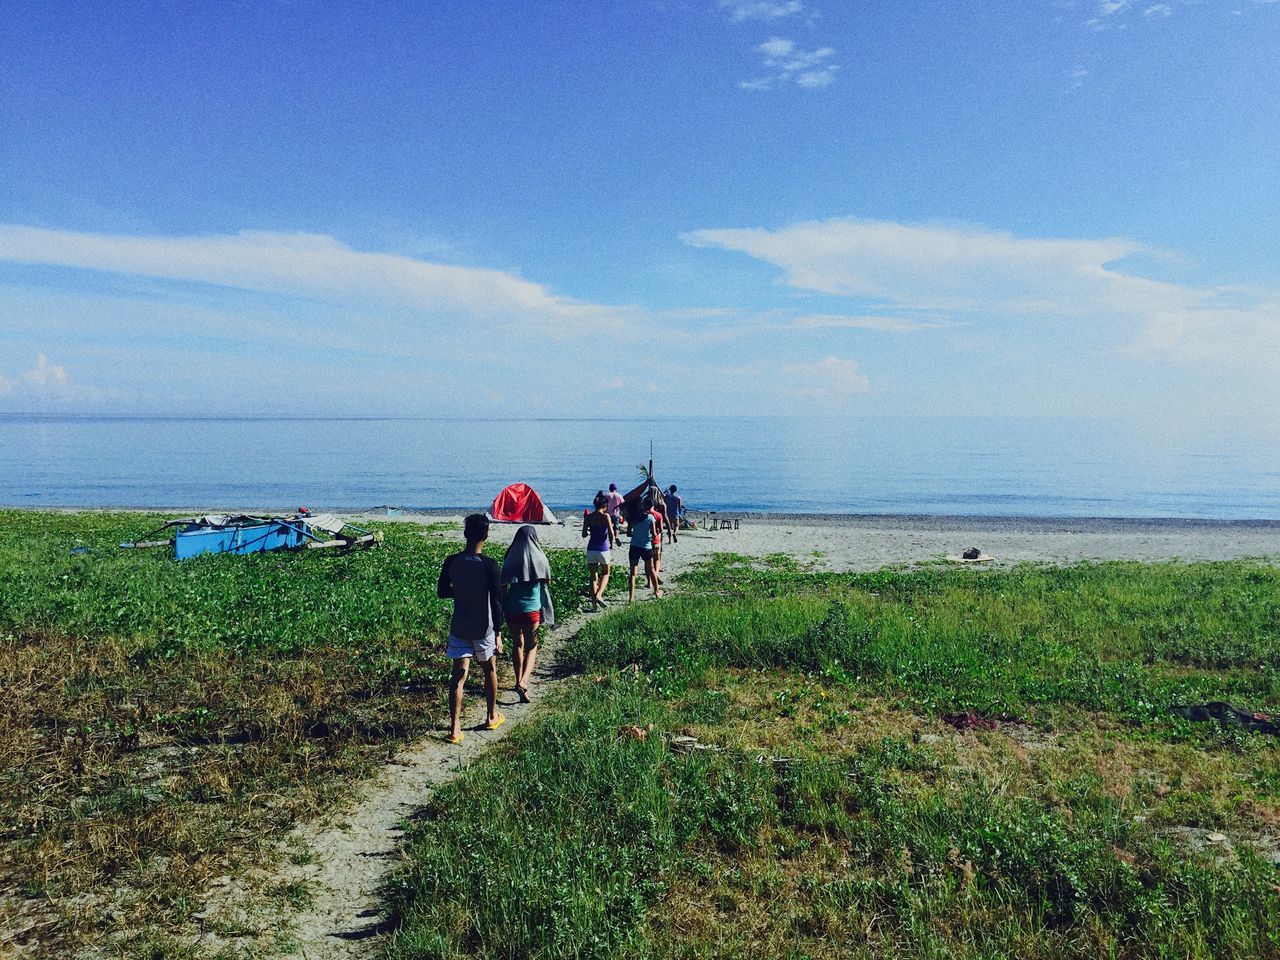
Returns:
(837, 543)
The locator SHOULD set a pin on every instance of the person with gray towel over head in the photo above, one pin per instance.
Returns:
(526, 602)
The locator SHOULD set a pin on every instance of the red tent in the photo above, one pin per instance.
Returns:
(520, 503)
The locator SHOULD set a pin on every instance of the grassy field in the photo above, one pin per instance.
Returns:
(162, 719)
(939, 763)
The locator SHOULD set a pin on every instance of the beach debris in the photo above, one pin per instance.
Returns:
(1264, 844)
(775, 762)
(1228, 715)
(969, 555)
(962, 865)
(635, 732)
(685, 744)
(968, 720)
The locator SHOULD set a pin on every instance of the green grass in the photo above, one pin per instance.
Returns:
(279, 601)
(836, 814)
(1123, 637)
(162, 717)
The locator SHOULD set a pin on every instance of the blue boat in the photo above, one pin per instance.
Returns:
(244, 534)
(250, 537)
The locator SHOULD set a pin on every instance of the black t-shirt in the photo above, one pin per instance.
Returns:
(471, 579)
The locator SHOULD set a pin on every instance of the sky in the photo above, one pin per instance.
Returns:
(612, 208)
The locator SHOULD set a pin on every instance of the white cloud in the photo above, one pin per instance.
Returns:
(309, 265)
(785, 63)
(831, 379)
(775, 48)
(1158, 10)
(1211, 334)
(740, 10)
(46, 377)
(926, 267)
(791, 386)
(814, 79)
(50, 382)
(1006, 279)
(828, 321)
(1107, 8)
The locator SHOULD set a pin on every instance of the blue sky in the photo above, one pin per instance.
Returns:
(724, 206)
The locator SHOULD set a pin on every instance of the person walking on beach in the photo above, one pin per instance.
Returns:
(643, 521)
(615, 506)
(475, 631)
(659, 524)
(601, 535)
(674, 505)
(526, 600)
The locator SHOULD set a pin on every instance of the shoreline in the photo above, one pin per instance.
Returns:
(849, 542)
(920, 520)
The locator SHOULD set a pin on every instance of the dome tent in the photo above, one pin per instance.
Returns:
(520, 503)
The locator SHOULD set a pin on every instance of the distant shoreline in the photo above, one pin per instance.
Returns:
(840, 542)
(919, 521)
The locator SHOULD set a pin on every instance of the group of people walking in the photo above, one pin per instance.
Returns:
(649, 518)
(486, 596)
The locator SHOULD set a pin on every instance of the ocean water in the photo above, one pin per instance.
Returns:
(882, 465)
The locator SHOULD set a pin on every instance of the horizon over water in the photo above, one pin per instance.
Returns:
(890, 465)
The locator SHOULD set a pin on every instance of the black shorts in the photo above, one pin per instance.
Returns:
(640, 555)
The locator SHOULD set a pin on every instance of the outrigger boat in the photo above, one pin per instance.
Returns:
(242, 533)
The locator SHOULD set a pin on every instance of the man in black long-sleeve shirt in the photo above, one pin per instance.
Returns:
(475, 631)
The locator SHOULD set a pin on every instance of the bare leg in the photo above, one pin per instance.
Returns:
(456, 684)
(604, 579)
(517, 656)
(522, 651)
(595, 584)
(490, 667)
(651, 569)
(530, 637)
(631, 584)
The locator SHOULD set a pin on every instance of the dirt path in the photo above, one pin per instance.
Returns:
(336, 865)
(323, 901)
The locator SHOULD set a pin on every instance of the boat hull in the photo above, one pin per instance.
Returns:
(249, 538)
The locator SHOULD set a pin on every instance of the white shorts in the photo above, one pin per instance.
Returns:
(480, 650)
(599, 556)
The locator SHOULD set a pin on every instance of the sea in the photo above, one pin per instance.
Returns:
(953, 466)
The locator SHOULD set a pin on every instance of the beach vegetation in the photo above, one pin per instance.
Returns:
(959, 763)
(164, 720)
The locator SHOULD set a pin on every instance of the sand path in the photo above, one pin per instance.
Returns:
(352, 851)
(347, 856)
